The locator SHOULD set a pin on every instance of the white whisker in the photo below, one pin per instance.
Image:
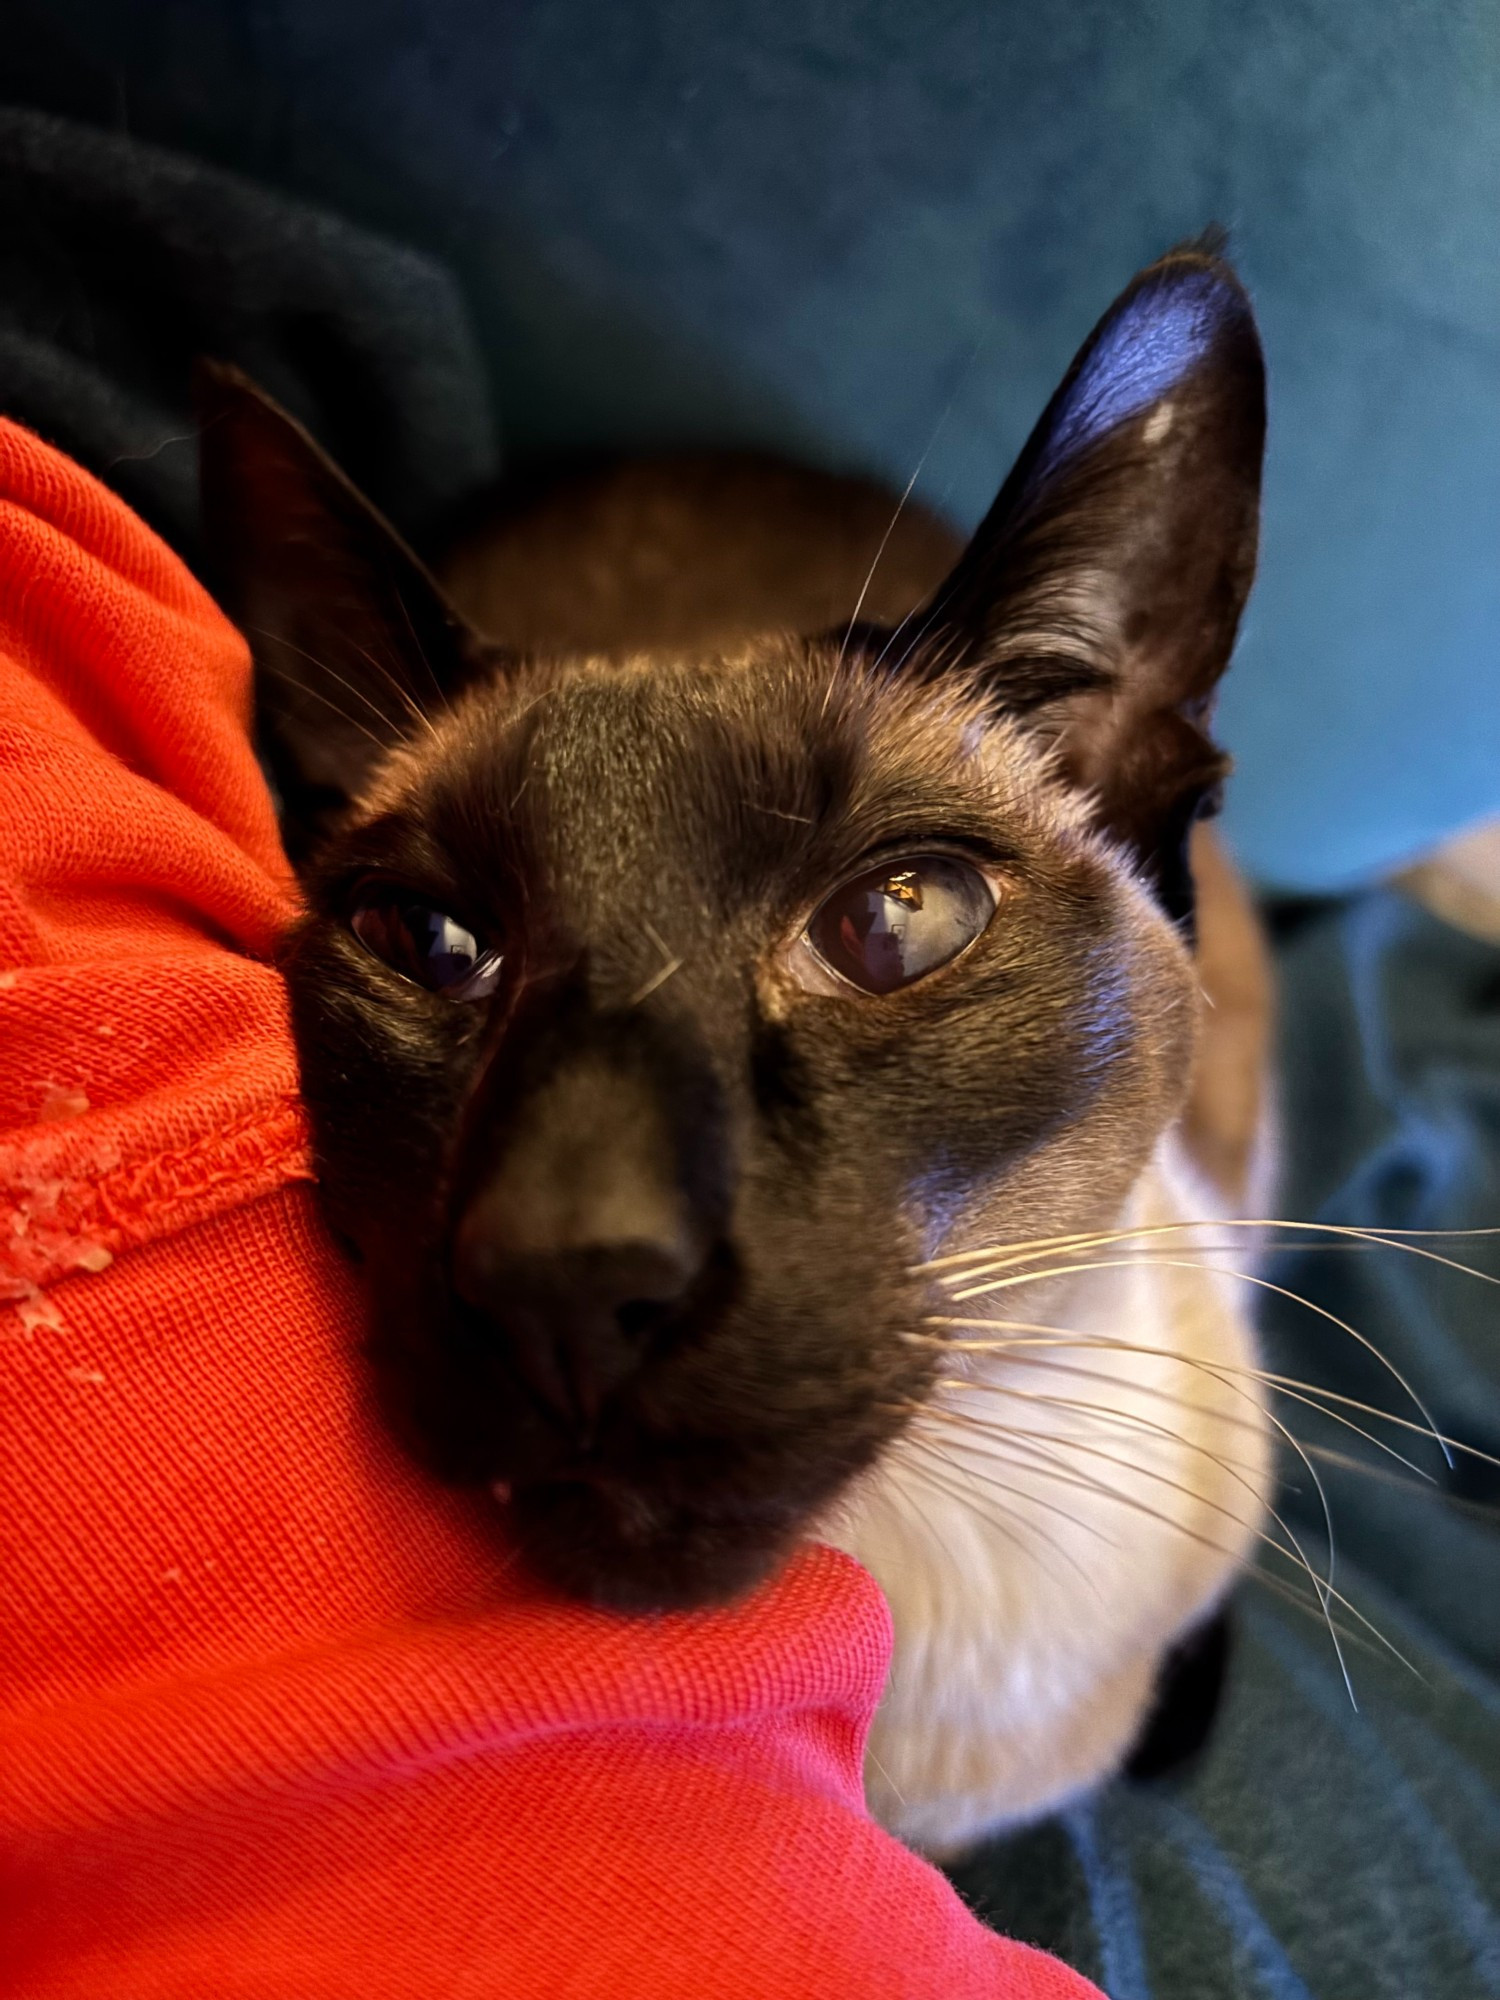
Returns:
(1381, 1239)
(1075, 1478)
(1285, 1385)
(958, 1489)
(1245, 1277)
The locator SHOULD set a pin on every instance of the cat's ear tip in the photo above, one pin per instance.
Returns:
(241, 424)
(1199, 275)
(1211, 245)
(1208, 255)
(214, 386)
(219, 385)
(227, 399)
(1188, 315)
(210, 370)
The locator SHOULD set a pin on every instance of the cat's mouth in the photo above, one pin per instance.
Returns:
(696, 1474)
(637, 1510)
(636, 1519)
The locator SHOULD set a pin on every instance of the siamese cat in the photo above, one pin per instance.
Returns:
(778, 1035)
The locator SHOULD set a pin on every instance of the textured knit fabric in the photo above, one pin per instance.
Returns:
(280, 1718)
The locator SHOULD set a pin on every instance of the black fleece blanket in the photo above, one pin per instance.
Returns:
(121, 262)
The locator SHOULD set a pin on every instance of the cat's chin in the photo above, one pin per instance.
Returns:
(612, 1545)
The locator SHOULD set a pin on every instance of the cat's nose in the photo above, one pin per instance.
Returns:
(598, 1211)
(579, 1293)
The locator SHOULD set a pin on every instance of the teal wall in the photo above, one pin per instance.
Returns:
(875, 232)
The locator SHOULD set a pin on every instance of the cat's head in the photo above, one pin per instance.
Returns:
(658, 1020)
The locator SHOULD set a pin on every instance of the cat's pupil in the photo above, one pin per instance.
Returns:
(891, 925)
(423, 944)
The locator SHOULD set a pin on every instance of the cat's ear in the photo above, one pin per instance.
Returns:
(353, 640)
(1101, 594)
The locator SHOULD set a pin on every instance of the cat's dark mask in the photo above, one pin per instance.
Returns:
(658, 1018)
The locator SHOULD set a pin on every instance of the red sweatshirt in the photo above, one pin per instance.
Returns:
(276, 1717)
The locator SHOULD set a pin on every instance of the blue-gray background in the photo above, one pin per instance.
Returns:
(874, 231)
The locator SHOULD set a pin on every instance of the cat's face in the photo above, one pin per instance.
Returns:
(641, 1199)
(658, 1021)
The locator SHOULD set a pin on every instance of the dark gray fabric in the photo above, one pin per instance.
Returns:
(1319, 1852)
(121, 263)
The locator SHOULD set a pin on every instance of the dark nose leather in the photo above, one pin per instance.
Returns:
(578, 1321)
(582, 1239)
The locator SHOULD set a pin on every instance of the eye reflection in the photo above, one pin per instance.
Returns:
(891, 925)
(422, 943)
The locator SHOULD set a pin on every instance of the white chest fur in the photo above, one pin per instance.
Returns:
(1069, 1507)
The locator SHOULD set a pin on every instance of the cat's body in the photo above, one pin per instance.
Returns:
(671, 793)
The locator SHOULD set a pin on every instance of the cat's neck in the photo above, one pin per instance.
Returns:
(1023, 1662)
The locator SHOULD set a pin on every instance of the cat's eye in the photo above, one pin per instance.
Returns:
(422, 943)
(895, 923)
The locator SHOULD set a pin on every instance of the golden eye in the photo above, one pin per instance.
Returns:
(893, 924)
